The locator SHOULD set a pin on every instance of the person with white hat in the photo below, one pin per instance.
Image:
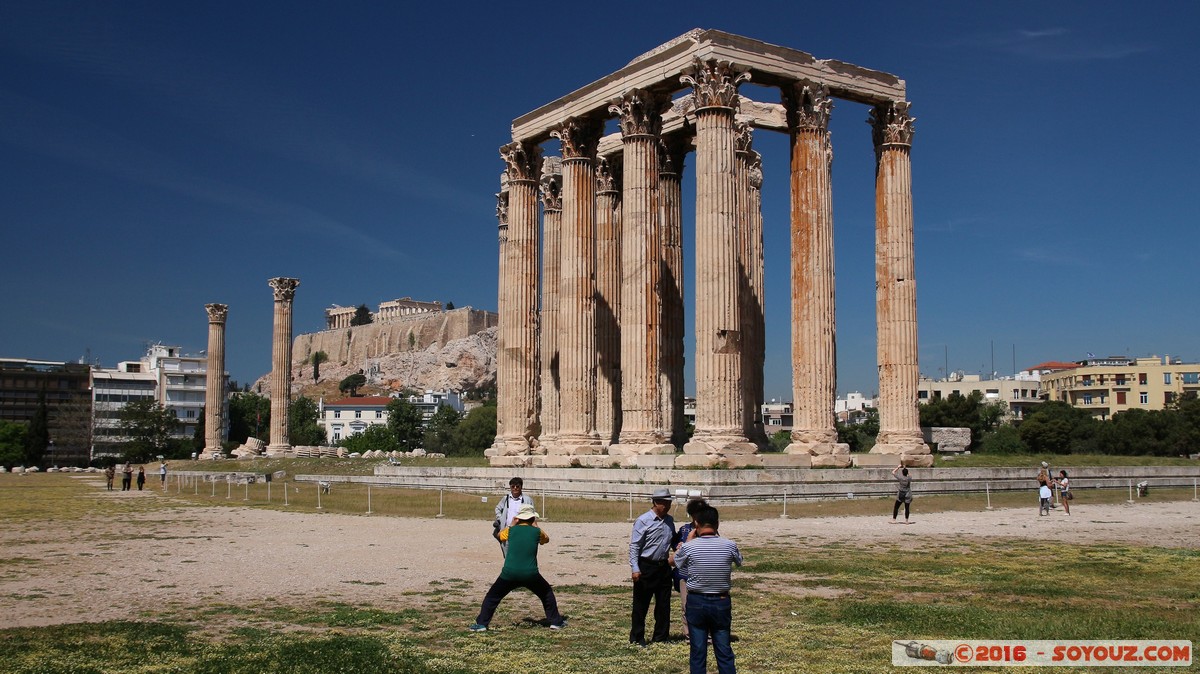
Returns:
(521, 570)
(651, 540)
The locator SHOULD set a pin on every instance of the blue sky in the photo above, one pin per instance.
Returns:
(158, 156)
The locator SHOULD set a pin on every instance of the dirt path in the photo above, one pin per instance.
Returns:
(229, 555)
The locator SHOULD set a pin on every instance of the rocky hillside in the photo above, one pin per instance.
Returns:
(449, 350)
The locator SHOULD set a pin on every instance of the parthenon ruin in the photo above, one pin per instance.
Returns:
(590, 368)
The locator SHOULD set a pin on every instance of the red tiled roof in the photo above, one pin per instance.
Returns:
(1053, 365)
(362, 401)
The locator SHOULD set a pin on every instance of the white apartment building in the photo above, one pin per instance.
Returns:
(350, 416)
(1019, 392)
(429, 402)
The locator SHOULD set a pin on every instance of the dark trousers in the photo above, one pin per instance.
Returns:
(502, 587)
(896, 509)
(710, 615)
(655, 584)
(125, 482)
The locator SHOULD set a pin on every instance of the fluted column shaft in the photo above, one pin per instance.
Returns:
(895, 285)
(608, 307)
(577, 290)
(719, 338)
(748, 270)
(502, 296)
(814, 358)
(551, 228)
(758, 326)
(517, 367)
(671, 156)
(214, 379)
(281, 362)
(641, 260)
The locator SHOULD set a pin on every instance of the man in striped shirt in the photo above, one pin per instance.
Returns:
(707, 560)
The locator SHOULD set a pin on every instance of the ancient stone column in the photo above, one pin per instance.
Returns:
(670, 172)
(895, 287)
(758, 286)
(814, 356)
(750, 281)
(214, 380)
(577, 291)
(502, 228)
(281, 363)
(642, 430)
(719, 340)
(608, 301)
(551, 227)
(517, 361)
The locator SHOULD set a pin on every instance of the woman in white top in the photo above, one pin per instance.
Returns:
(1064, 491)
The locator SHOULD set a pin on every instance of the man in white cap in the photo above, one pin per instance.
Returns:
(653, 534)
(521, 570)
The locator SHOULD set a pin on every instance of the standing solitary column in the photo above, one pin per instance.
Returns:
(551, 228)
(577, 290)
(749, 279)
(895, 287)
(517, 360)
(502, 229)
(281, 363)
(670, 172)
(642, 432)
(814, 356)
(214, 381)
(719, 389)
(609, 378)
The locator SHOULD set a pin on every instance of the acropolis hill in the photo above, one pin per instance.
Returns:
(453, 349)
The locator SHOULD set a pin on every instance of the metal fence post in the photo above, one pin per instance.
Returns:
(440, 512)
(368, 499)
(988, 488)
(784, 515)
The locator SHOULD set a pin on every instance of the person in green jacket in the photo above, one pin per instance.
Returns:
(521, 570)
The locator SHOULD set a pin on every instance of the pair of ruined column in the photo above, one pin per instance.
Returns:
(729, 325)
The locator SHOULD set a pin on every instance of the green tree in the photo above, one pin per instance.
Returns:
(37, 436)
(362, 316)
(12, 443)
(477, 431)
(303, 428)
(440, 430)
(373, 437)
(780, 440)
(316, 358)
(404, 420)
(1003, 440)
(351, 384)
(959, 411)
(249, 416)
(1185, 438)
(861, 435)
(148, 426)
(1058, 428)
(449, 306)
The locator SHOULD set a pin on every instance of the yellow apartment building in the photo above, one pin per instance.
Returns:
(1105, 386)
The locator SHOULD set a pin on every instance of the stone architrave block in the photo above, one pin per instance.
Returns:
(876, 460)
(831, 461)
(653, 461)
(697, 460)
(742, 460)
(554, 461)
(918, 461)
(597, 461)
(786, 460)
(948, 440)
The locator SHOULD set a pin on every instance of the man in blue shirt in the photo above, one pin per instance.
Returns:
(653, 534)
(707, 560)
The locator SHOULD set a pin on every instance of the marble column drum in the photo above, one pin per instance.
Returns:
(608, 301)
(214, 381)
(639, 114)
(577, 291)
(814, 356)
(551, 184)
(895, 287)
(719, 435)
(284, 290)
(671, 153)
(517, 361)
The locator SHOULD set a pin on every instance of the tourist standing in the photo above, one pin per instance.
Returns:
(141, 477)
(507, 509)
(126, 476)
(708, 560)
(109, 474)
(686, 533)
(1064, 491)
(649, 545)
(903, 492)
(520, 570)
(162, 474)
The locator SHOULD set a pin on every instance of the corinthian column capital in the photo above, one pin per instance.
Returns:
(552, 183)
(892, 124)
(756, 174)
(808, 106)
(639, 112)
(578, 137)
(714, 83)
(522, 159)
(285, 288)
(607, 179)
(217, 313)
(671, 153)
(743, 137)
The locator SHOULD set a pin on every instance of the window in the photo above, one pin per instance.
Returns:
(1087, 382)
(1087, 399)
(337, 414)
(922, 395)
(1016, 395)
(1167, 378)
(1102, 398)
(357, 414)
(1120, 397)
(1144, 398)
(776, 422)
(378, 414)
(1190, 377)
(1142, 378)
(1120, 380)
(191, 414)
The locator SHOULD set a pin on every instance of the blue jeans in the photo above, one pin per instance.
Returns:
(706, 615)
